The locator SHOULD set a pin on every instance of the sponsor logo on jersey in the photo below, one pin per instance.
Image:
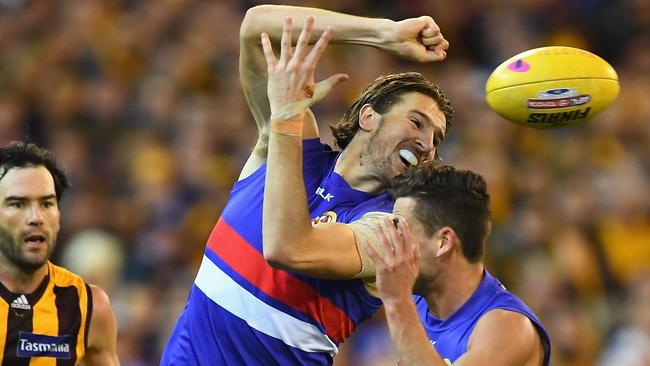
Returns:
(40, 345)
(329, 216)
(324, 195)
(21, 303)
(558, 98)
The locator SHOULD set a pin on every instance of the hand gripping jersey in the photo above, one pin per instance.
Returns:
(450, 336)
(243, 312)
(48, 326)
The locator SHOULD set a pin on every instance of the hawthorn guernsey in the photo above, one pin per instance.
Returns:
(241, 311)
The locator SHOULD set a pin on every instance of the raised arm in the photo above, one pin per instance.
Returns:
(415, 38)
(290, 241)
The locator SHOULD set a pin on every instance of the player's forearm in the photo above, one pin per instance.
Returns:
(409, 338)
(268, 19)
(286, 214)
(350, 29)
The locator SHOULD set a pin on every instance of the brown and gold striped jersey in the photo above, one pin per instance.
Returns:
(48, 327)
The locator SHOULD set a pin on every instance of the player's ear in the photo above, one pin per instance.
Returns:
(447, 242)
(368, 118)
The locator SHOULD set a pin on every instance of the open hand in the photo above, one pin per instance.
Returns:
(291, 86)
(399, 266)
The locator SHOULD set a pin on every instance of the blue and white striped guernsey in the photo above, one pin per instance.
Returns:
(243, 312)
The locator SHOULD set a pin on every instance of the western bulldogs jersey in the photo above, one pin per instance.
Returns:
(450, 336)
(241, 311)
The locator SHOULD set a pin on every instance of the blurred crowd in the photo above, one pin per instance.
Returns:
(140, 101)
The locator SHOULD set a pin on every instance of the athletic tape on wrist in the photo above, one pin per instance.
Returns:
(290, 111)
(292, 127)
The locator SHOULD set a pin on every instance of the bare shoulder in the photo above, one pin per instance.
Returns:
(103, 324)
(506, 338)
(102, 335)
(101, 302)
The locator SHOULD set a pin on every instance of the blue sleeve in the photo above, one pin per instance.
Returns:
(315, 156)
(381, 203)
(314, 153)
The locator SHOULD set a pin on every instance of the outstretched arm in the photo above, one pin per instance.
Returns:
(417, 39)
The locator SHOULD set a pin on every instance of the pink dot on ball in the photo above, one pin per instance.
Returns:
(519, 66)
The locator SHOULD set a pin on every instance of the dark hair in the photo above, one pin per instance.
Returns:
(22, 155)
(382, 94)
(449, 197)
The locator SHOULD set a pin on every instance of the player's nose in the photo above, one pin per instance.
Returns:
(34, 215)
(424, 143)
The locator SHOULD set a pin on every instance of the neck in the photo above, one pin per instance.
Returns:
(452, 289)
(18, 281)
(358, 175)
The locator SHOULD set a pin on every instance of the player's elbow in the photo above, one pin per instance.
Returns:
(276, 261)
(252, 25)
(279, 255)
(275, 255)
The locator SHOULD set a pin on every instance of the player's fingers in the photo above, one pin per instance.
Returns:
(442, 46)
(285, 43)
(389, 251)
(268, 52)
(433, 55)
(372, 253)
(433, 41)
(431, 28)
(394, 235)
(319, 48)
(303, 40)
(402, 244)
(410, 247)
(325, 86)
(334, 80)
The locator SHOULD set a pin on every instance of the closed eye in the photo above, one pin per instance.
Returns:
(417, 123)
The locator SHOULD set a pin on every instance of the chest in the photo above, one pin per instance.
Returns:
(46, 328)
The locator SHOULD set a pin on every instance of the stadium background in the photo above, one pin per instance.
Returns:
(141, 102)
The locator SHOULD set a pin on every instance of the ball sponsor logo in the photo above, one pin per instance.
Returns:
(558, 98)
(558, 118)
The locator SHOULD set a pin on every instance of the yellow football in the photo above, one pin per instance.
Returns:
(552, 87)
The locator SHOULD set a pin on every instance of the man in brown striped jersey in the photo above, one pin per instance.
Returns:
(48, 315)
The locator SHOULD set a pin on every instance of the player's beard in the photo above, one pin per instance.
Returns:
(375, 157)
(12, 251)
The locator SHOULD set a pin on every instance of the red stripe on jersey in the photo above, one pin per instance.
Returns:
(280, 285)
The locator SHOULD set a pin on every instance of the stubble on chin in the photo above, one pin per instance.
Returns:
(13, 252)
(377, 161)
